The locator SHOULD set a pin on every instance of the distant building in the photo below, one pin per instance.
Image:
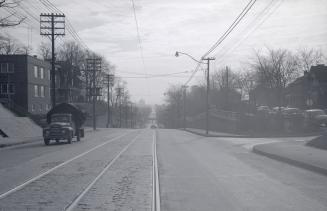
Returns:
(70, 88)
(25, 83)
(310, 90)
(264, 96)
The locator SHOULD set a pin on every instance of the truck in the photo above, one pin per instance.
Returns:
(65, 122)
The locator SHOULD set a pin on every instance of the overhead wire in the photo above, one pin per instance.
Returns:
(238, 19)
(138, 35)
(69, 27)
(264, 15)
(135, 73)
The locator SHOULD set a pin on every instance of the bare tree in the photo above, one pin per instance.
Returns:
(275, 70)
(11, 19)
(245, 82)
(10, 46)
(309, 57)
(45, 50)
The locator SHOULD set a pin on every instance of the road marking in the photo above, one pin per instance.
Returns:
(19, 187)
(155, 177)
(82, 194)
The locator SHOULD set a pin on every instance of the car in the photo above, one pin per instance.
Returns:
(153, 127)
(314, 118)
(292, 119)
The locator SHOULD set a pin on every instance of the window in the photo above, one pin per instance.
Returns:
(11, 68)
(35, 72)
(33, 107)
(41, 72)
(41, 91)
(7, 67)
(7, 88)
(3, 88)
(36, 91)
(11, 88)
(49, 75)
(41, 107)
(48, 107)
(4, 67)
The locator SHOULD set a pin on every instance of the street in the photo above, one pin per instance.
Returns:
(114, 169)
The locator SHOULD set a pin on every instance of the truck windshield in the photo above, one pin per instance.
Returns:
(60, 119)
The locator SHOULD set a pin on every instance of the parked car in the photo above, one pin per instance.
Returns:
(314, 118)
(292, 119)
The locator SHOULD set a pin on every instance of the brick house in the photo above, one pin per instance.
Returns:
(310, 90)
(25, 83)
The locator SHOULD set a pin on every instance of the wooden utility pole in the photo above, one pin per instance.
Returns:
(207, 96)
(120, 92)
(184, 106)
(94, 65)
(227, 87)
(110, 77)
(52, 25)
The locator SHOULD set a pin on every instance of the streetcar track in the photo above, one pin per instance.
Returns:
(21, 186)
(76, 200)
(155, 177)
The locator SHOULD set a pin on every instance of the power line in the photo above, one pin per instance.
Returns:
(138, 35)
(264, 16)
(232, 26)
(70, 27)
(238, 19)
(135, 73)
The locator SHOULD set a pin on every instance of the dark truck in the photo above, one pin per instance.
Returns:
(64, 122)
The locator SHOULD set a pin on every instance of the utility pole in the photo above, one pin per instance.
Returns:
(208, 59)
(120, 91)
(109, 80)
(52, 25)
(94, 65)
(184, 106)
(131, 115)
(126, 114)
(227, 88)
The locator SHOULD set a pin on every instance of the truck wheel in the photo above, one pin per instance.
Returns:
(78, 136)
(46, 141)
(69, 139)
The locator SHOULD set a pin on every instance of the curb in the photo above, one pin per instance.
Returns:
(212, 135)
(255, 135)
(290, 161)
(31, 140)
(21, 142)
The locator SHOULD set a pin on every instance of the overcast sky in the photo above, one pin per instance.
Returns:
(192, 26)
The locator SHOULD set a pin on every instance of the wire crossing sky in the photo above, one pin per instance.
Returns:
(191, 26)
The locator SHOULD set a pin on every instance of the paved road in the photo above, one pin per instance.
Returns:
(199, 173)
(113, 169)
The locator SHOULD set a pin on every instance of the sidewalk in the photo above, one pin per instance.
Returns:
(6, 142)
(295, 153)
(202, 132)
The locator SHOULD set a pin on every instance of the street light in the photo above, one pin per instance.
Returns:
(178, 52)
(208, 59)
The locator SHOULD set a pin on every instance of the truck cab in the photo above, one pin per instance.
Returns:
(64, 122)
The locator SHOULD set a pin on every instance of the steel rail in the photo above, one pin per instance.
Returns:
(21, 186)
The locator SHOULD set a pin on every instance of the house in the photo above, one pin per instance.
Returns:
(310, 90)
(261, 95)
(25, 83)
